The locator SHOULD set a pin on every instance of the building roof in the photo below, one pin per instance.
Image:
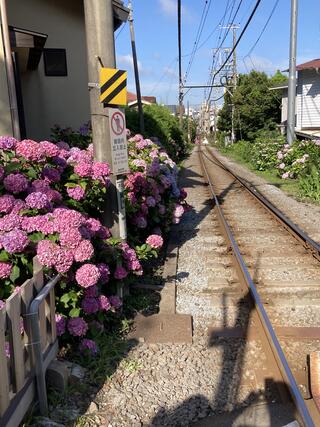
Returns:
(132, 98)
(282, 85)
(315, 63)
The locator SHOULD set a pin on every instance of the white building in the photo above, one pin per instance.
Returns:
(307, 99)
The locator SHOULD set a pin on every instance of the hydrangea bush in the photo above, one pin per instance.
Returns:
(50, 202)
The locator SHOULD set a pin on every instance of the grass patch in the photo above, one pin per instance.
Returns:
(290, 187)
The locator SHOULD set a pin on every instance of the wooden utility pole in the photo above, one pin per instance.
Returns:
(292, 74)
(136, 69)
(101, 52)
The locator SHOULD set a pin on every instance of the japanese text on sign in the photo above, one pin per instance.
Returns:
(118, 142)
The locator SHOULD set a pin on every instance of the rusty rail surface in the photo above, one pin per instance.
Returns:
(308, 418)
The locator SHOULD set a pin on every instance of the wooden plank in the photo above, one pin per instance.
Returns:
(4, 383)
(27, 291)
(298, 332)
(13, 312)
(52, 306)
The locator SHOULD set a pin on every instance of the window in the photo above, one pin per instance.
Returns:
(55, 62)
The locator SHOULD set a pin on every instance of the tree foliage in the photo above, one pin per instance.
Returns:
(256, 106)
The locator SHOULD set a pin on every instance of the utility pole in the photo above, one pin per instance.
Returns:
(135, 66)
(180, 70)
(292, 74)
(189, 136)
(234, 80)
(4, 28)
(101, 52)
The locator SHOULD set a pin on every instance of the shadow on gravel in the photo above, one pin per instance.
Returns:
(256, 409)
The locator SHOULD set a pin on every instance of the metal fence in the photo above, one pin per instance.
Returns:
(17, 350)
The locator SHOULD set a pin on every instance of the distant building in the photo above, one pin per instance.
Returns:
(307, 100)
(174, 109)
(48, 44)
(146, 100)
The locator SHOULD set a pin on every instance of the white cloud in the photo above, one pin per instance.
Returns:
(170, 72)
(169, 8)
(127, 61)
(261, 63)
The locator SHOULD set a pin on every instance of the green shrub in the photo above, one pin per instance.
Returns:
(161, 124)
(309, 184)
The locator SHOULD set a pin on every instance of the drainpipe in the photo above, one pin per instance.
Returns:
(10, 70)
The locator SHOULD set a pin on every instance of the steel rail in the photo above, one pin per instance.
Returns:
(281, 218)
(267, 326)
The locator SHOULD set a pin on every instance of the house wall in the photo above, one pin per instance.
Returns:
(309, 101)
(5, 115)
(54, 100)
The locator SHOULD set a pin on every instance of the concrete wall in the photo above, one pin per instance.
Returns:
(54, 100)
(5, 115)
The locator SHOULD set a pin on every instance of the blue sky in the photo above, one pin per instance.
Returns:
(155, 24)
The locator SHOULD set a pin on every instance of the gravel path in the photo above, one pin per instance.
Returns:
(180, 384)
(305, 215)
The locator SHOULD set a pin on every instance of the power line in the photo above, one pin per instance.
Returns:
(236, 44)
(198, 36)
(263, 29)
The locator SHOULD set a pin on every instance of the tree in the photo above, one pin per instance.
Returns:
(256, 107)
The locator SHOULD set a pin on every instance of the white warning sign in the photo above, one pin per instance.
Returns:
(118, 135)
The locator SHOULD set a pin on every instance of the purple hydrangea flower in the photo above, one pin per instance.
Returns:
(7, 142)
(60, 324)
(104, 273)
(120, 273)
(14, 241)
(88, 345)
(38, 200)
(15, 183)
(77, 326)
(115, 301)
(6, 203)
(90, 305)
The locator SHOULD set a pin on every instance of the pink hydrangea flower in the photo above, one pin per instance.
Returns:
(77, 326)
(120, 273)
(83, 169)
(15, 183)
(7, 203)
(64, 260)
(19, 205)
(60, 324)
(155, 241)
(76, 193)
(285, 175)
(14, 241)
(104, 303)
(49, 149)
(5, 270)
(30, 150)
(70, 238)
(100, 170)
(84, 251)
(88, 345)
(178, 211)
(87, 275)
(10, 222)
(47, 252)
(281, 166)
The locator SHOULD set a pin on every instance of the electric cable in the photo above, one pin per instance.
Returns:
(236, 44)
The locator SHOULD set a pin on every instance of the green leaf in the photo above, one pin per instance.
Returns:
(15, 274)
(32, 173)
(36, 237)
(75, 312)
(70, 184)
(65, 298)
(74, 177)
(4, 256)
(12, 166)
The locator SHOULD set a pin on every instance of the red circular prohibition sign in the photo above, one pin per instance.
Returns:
(117, 123)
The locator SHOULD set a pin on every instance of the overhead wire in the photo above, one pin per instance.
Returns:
(263, 29)
(236, 44)
(198, 36)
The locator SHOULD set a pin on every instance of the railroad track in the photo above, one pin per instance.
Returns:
(278, 275)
